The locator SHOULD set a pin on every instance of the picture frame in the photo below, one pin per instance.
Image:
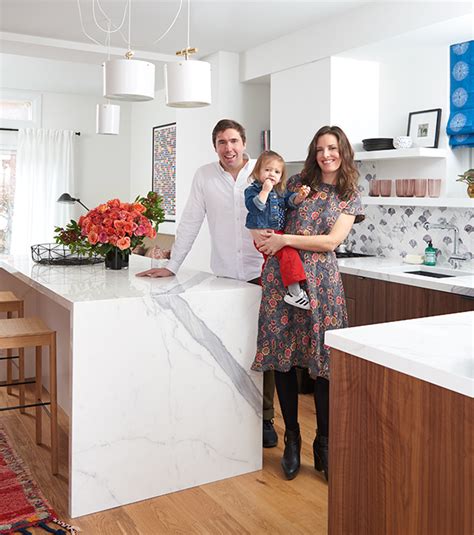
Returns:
(423, 127)
(164, 167)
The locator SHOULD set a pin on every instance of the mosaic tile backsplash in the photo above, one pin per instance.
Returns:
(395, 231)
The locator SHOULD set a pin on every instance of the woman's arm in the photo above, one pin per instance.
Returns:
(322, 243)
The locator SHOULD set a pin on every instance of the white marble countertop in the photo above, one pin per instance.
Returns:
(393, 270)
(73, 284)
(420, 348)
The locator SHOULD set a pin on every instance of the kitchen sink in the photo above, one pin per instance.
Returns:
(429, 274)
(351, 254)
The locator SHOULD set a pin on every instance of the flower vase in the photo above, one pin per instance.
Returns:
(116, 259)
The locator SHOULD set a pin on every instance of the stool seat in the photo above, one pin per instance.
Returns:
(26, 329)
(9, 302)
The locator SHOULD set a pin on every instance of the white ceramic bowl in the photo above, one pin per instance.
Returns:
(402, 142)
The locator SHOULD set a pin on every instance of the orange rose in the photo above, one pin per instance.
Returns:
(123, 243)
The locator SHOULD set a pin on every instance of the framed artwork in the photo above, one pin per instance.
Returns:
(423, 127)
(164, 167)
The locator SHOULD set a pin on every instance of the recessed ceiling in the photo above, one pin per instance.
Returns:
(230, 25)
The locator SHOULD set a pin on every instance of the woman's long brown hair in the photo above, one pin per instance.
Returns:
(348, 175)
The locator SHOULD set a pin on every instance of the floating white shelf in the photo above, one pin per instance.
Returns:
(396, 154)
(420, 201)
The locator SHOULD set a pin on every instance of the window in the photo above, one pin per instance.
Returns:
(19, 109)
(7, 196)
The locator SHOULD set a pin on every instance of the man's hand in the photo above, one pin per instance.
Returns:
(155, 273)
(303, 192)
(259, 235)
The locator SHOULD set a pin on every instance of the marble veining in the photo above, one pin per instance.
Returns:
(159, 389)
(420, 348)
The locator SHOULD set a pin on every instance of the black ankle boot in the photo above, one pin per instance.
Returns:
(291, 456)
(321, 455)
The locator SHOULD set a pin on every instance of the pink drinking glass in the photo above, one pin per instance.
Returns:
(434, 187)
(420, 187)
(399, 187)
(374, 188)
(409, 187)
(385, 187)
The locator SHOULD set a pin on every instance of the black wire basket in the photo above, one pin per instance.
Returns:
(59, 255)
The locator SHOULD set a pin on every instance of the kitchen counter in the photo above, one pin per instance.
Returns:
(438, 349)
(155, 380)
(393, 270)
(401, 405)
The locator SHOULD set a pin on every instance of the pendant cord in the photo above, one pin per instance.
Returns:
(189, 17)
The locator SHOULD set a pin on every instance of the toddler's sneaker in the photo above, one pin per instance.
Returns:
(300, 301)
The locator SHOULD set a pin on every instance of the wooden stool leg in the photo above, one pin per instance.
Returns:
(21, 363)
(54, 404)
(39, 387)
(9, 364)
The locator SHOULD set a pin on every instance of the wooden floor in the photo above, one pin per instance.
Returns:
(257, 503)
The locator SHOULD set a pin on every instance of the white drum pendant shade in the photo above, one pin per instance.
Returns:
(108, 119)
(129, 79)
(188, 84)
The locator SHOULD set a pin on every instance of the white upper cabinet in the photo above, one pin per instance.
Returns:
(333, 91)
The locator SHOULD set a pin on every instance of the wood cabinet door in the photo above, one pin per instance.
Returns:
(365, 300)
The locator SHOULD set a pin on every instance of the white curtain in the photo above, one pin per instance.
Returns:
(44, 170)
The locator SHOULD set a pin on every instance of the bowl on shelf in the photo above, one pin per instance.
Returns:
(378, 143)
(402, 142)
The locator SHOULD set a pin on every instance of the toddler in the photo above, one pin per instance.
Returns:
(267, 200)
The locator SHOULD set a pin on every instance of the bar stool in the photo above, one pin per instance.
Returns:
(32, 332)
(10, 303)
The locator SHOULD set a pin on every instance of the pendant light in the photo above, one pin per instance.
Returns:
(108, 119)
(188, 82)
(129, 79)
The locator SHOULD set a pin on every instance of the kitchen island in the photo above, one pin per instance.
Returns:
(402, 427)
(152, 373)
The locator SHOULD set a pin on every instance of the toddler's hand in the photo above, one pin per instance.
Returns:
(267, 185)
(303, 192)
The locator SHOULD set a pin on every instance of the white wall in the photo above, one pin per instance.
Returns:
(101, 162)
(144, 116)
(375, 21)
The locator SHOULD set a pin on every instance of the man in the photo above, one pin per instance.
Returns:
(217, 193)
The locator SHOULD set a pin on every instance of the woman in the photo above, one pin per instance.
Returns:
(289, 337)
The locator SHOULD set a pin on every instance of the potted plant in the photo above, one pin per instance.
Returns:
(468, 178)
(113, 229)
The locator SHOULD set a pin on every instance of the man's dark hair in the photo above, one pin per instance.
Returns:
(224, 124)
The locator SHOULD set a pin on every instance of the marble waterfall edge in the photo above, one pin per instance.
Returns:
(163, 398)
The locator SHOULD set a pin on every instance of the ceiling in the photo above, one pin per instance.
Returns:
(230, 25)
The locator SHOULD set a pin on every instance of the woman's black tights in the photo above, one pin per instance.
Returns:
(287, 388)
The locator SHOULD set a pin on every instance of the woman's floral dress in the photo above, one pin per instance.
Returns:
(289, 336)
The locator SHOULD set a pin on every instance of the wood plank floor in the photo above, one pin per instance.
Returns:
(257, 503)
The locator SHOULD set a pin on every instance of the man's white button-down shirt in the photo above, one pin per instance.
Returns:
(215, 194)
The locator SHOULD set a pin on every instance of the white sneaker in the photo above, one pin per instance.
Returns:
(300, 301)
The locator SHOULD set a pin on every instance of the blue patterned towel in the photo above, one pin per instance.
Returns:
(460, 125)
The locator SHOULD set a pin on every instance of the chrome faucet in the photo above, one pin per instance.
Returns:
(455, 255)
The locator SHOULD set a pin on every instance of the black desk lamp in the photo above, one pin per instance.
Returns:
(66, 198)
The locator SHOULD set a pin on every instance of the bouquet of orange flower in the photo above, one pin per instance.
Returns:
(113, 225)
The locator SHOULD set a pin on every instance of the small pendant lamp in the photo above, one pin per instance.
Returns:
(188, 83)
(129, 79)
(108, 119)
